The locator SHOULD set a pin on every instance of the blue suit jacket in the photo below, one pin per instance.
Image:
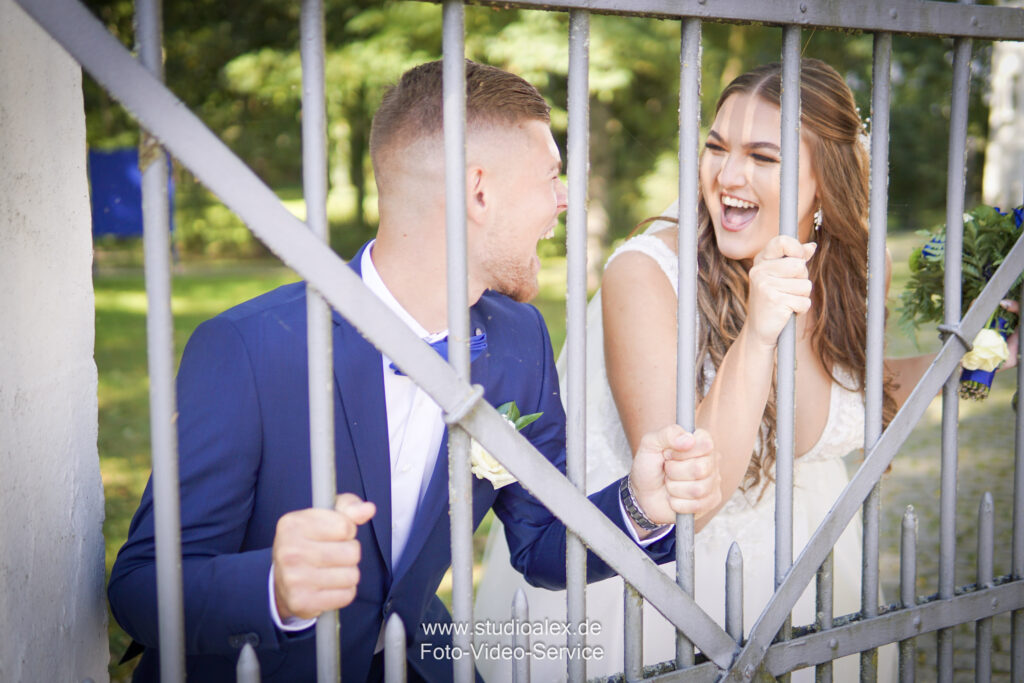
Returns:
(243, 431)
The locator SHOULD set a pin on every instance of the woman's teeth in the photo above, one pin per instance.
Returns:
(737, 203)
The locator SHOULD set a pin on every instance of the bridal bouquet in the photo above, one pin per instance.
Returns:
(989, 234)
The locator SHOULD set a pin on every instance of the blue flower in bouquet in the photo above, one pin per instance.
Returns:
(1018, 214)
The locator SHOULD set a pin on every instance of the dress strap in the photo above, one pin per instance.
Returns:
(654, 247)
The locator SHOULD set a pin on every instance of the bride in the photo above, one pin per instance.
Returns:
(750, 282)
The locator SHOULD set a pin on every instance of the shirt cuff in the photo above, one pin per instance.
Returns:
(291, 624)
(642, 542)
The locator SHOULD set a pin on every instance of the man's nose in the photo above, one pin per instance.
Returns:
(561, 196)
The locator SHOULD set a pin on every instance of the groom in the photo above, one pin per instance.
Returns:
(259, 565)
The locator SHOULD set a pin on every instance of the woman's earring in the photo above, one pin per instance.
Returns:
(818, 217)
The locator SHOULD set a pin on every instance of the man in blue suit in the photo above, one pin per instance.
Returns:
(259, 564)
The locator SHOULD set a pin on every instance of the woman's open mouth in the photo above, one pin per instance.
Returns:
(736, 212)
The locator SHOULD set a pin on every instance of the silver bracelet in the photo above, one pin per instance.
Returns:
(633, 507)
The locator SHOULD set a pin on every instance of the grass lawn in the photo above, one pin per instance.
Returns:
(203, 290)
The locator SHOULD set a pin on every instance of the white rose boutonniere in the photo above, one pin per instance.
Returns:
(483, 464)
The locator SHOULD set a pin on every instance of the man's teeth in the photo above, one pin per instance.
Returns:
(737, 203)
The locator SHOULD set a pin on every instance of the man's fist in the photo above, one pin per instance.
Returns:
(316, 557)
(676, 472)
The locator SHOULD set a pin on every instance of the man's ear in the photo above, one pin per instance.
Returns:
(477, 199)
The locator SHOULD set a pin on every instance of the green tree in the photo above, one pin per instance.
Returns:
(237, 67)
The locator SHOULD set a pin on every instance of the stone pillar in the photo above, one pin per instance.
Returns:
(52, 601)
(1003, 181)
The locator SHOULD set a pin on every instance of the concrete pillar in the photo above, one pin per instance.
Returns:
(52, 603)
(1003, 182)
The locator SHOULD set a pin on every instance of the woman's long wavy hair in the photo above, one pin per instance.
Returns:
(838, 270)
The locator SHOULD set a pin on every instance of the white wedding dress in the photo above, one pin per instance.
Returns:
(748, 518)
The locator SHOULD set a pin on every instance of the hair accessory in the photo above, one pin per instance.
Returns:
(818, 218)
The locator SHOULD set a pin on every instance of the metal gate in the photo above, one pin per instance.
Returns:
(770, 647)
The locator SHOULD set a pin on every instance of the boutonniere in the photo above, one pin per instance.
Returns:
(483, 464)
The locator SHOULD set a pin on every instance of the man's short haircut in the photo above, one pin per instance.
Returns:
(412, 109)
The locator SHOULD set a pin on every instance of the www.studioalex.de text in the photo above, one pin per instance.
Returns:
(487, 649)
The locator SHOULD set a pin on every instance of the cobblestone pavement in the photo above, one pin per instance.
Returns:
(985, 465)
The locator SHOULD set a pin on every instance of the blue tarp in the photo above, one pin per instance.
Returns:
(117, 192)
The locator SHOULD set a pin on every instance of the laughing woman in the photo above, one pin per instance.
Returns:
(750, 282)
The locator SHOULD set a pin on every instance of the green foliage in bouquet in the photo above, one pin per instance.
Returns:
(988, 237)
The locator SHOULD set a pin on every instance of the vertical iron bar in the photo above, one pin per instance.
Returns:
(576, 324)
(908, 591)
(983, 629)
(160, 356)
(823, 607)
(955, 182)
(394, 650)
(633, 666)
(247, 670)
(875, 351)
(633, 632)
(459, 478)
(1017, 561)
(314, 182)
(786, 364)
(734, 593)
(318, 314)
(521, 639)
(686, 349)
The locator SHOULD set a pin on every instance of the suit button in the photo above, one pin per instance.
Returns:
(388, 605)
(239, 640)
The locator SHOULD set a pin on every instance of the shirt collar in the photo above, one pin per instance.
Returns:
(372, 279)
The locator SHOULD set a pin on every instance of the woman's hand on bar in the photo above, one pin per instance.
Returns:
(779, 287)
(316, 557)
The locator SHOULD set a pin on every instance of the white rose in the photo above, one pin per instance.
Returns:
(989, 351)
(484, 466)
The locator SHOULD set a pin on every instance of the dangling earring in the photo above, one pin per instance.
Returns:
(818, 217)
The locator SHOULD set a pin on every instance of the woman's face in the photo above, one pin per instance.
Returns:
(739, 177)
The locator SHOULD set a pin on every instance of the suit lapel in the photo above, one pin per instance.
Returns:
(358, 371)
(435, 502)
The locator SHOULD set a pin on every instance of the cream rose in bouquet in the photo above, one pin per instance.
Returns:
(483, 464)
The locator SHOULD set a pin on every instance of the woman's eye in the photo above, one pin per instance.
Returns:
(714, 147)
(765, 159)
